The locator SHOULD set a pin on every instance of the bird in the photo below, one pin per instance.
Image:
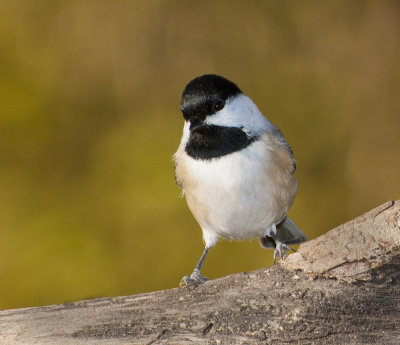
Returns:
(235, 169)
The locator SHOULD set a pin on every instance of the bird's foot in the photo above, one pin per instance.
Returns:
(280, 251)
(194, 279)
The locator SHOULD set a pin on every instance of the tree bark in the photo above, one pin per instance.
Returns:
(340, 288)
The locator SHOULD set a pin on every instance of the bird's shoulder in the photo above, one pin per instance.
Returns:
(177, 180)
(280, 150)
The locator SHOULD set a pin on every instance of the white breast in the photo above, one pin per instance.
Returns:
(237, 196)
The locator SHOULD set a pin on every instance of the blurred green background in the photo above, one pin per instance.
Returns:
(89, 120)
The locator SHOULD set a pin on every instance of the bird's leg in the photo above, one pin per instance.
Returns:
(280, 247)
(196, 277)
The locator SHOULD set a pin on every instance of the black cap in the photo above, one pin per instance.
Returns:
(205, 95)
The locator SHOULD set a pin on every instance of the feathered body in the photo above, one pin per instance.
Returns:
(242, 194)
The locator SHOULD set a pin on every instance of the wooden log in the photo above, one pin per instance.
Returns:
(340, 288)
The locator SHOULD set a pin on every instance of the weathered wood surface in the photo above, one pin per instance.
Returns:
(341, 288)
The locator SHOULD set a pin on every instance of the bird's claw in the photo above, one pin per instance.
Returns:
(194, 279)
(280, 251)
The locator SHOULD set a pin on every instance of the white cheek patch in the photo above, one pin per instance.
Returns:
(240, 111)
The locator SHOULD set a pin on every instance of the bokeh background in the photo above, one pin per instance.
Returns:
(89, 120)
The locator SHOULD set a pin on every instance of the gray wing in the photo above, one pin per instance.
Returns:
(278, 134)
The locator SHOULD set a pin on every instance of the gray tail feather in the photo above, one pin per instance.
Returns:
(287, 232)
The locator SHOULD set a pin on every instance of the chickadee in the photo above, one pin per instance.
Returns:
(235, 169)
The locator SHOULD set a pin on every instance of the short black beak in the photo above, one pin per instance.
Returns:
(195, 124)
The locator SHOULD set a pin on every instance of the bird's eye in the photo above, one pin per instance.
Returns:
(218, 104)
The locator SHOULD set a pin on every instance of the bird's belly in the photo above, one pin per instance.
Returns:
(235, 212)
(240, 196)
